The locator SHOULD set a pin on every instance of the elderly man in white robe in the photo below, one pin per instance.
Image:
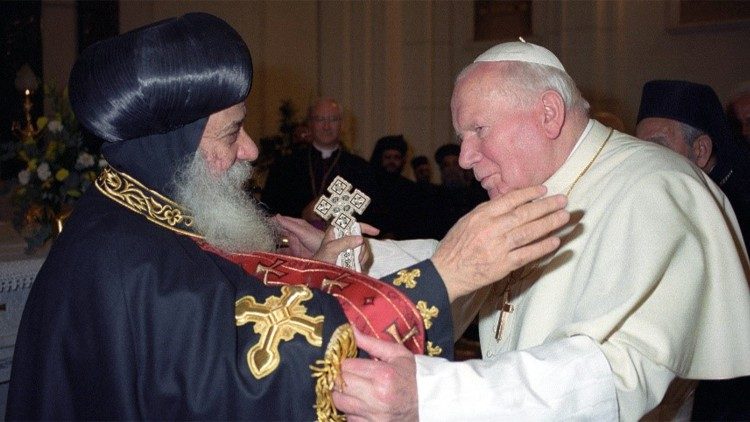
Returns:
(649, 284)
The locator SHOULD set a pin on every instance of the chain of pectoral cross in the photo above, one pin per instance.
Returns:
(504, 306)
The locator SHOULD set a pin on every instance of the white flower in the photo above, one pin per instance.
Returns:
(43, 171)
(85, 160)
(102, 163)
(54, 126)
(24, 176)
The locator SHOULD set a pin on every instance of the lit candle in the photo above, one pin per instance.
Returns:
(27, 92)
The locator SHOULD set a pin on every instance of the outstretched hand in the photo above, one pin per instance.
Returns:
(497, 237)
(306, 241)
(380, 389)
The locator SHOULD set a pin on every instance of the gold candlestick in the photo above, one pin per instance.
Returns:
(28, 133)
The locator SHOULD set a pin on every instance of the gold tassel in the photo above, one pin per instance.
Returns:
(341, 346)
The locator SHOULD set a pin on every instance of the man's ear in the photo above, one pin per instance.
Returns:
(703, 147)
(554, 113)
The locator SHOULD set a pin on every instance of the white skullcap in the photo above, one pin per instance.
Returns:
(520, 51)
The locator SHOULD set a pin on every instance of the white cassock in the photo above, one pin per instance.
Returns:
(650, 283)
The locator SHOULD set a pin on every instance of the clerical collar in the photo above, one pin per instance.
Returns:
(583, 135)
(324, 151)
(155, 207)
(584, 154)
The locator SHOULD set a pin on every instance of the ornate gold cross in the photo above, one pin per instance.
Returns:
(277, 319)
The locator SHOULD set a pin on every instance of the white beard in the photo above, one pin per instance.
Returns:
(223, 212)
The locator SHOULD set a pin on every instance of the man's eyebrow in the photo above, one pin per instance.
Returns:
(231, 127)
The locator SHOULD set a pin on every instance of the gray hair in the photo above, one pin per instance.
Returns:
(690, 133)
(526, 80)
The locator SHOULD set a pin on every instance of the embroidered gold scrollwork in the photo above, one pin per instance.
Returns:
(157, 208)
(277, 319)
(328, 372)
(433, 350)
(408, 278)
(427, 313)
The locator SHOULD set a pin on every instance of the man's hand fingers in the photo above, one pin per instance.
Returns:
(380, 349)
(536, 229)
(350, 398)
(369, 230)
(514, 199)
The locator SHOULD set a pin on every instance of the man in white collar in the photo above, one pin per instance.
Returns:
(295, 182)
(649, 283)
(324, 118)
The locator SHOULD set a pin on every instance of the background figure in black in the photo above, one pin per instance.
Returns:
(422, 169)
(459, 192)
(295, 182)
(738, 111)
(688, 118)
(405, 208)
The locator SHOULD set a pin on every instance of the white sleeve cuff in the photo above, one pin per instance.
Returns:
(565, 379)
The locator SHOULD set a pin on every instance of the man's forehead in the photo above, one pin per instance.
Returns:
(480, 79)
(236, 111)
(326, 108)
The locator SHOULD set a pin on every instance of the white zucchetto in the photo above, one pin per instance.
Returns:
(518, 51)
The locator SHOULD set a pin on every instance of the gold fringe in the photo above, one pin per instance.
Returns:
(341, 346)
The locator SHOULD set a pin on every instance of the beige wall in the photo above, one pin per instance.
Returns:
(611, 48)
(59, 46)
(391, 64)
(282, 37)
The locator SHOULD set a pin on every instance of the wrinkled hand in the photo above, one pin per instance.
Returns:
(378, 390)
(497, 237)
(331, 247)
(306, 241)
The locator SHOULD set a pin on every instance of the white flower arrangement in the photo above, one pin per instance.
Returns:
(59, 167)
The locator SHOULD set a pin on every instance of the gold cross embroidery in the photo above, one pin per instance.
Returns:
(393, 331)
(276, 320)
(272, 269)
(407, 277)
(506, 308)
(433, 350)
(338, 283)
(427, 313)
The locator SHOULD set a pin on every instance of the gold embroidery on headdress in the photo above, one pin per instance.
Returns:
(408, 278)
(132, 194)
(341, 346)
(277, 319)
(427, 313)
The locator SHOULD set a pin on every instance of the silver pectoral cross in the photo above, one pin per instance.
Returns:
(340, 208)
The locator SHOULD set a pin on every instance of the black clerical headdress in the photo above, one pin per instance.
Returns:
(693, 104)
(150, 91)
(394, 142)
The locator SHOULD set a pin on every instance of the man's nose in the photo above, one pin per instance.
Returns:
(246, 149)
(469, 154)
